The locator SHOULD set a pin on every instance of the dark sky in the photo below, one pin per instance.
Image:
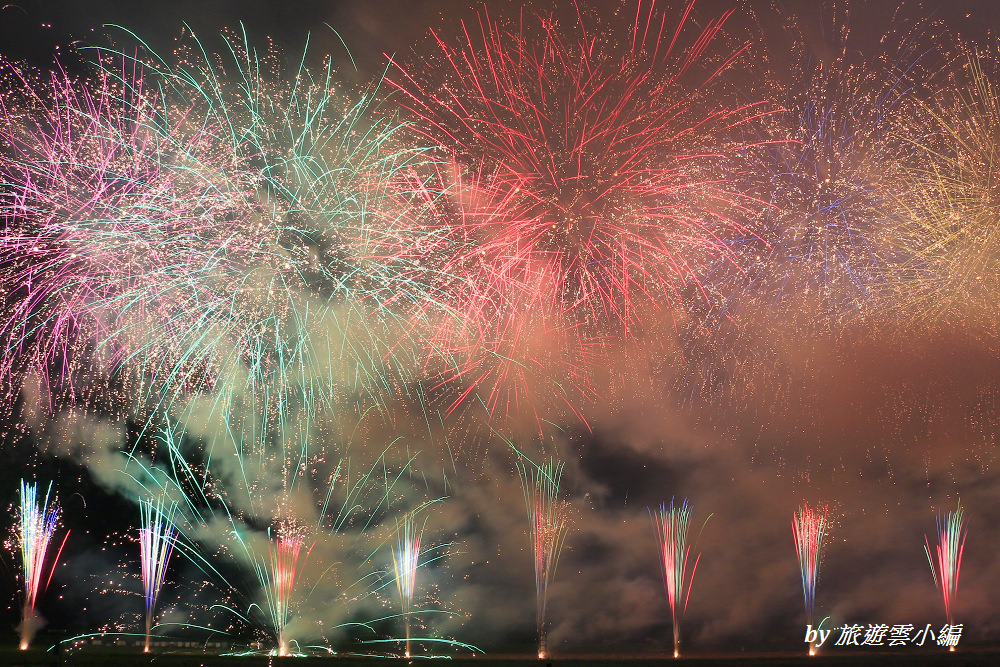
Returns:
(34, 29)
(889, 423)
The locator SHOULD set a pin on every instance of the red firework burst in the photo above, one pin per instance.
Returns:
(586, 172)
(583, 179)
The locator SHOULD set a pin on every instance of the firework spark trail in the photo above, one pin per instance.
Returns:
(585, 179)
(37, 523)
(808, 529)
(156, 542)
(548, 517)
(946, 558)
(672, 532)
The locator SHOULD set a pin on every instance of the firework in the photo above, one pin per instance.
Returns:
(946, 559)
(672, 532)
(37, 523)
(156, 542)
(950, 224)
(808, 529)
(300, 535)
(280, 581)
(188, 234)
(835, 166)
(584, 181)
(405, 560)
(548, 517)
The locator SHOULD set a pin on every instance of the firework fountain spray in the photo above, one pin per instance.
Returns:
(946, 559)
(406, 560)
(156, 542)
(279, 582)
(548, 515)
(38, 523)
(808, 529)
(672, 538)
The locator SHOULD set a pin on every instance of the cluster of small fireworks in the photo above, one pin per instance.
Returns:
(291, 583)
(946, 558)
(221, 236)
(808, 529)
(36, 526)
(672, 538)
(548, 518)
(156, 542)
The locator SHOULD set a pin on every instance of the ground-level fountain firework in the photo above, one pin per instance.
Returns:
(672, 524)
(299, 332)
(548, 521)
(37, 521)
(809, 526)
(946, 558)
(156, 542)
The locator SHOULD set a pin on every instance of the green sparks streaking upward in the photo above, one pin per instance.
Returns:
(672, 532)
(548, 516)
(946, 559)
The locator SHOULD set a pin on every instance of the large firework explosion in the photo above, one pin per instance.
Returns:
(951, 209)
(828, 245)
(205, 241)
(832, 259)
(586, 169)
(211, 227)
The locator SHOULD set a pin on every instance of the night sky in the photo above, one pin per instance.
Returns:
(771, 377)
